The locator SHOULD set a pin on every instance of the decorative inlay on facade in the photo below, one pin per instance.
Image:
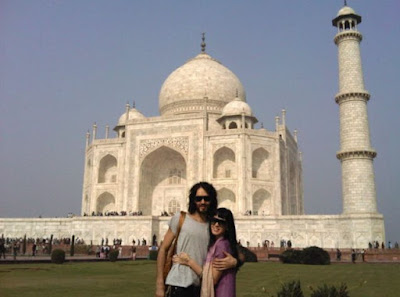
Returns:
(220, 186)
(362, 154)
(104, 153)
(217, 146)
(257, 187)
(352, 96)
(348, 35)
(192, 105)
(179, 143)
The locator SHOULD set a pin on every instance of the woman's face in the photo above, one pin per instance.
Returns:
(218, 226)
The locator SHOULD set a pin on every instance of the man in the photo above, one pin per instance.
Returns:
(2, 248)
(34, 249)
(193, 240)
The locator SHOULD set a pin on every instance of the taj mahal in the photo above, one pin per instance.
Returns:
(206, 131)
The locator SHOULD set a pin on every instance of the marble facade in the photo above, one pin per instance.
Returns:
(206, 131)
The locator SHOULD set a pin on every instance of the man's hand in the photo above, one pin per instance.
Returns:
(182, 258)
(225, 263)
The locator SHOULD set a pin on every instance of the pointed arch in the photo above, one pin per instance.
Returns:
(262, 202)
(105, 202)
(224, 163)
(233, 125)
(259, 162)
(226, 198)
(108, 169)
(162, 180)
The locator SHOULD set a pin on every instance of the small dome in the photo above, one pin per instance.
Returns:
(345, 11)
(134, 114)
(185, 89)
(237, 107)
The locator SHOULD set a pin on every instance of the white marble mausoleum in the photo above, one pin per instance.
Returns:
(206, 131)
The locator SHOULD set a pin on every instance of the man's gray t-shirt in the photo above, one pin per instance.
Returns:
(193, 240)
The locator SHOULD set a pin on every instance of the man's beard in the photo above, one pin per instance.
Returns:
(203, 208)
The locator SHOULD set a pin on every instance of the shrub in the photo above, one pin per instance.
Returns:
(153, 254)
(315, 256)
(291, 289)
(249, 256)
(291, 257)
(58, 256)
(113, 255)
(82, 249)
(330, 291)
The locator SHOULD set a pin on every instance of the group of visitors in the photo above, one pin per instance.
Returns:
(113, 213)
(377, 245)
(102, 251)
(355, 253)
(286, 244)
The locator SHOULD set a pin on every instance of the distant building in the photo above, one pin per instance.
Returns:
(206, 131)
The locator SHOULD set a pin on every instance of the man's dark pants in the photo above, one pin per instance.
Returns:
(191, 291)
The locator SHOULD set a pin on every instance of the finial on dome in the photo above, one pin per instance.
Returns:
(345, 2)
(262, 125)
(133, 104)
(203, 44)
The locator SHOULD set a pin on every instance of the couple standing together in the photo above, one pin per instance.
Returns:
(206, 257)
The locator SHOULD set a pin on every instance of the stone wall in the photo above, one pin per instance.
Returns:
(327, 231)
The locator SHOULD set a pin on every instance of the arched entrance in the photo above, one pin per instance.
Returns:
(226, 198)
(105, 202)
(224, 163)
(162, 182)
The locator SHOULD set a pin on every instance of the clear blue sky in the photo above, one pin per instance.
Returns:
(67, 64)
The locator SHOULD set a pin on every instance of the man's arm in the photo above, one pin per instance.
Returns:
(225, 263)
(184, 259)
(162, 252)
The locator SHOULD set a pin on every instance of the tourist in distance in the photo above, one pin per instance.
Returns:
(222, 239)
(193, 239)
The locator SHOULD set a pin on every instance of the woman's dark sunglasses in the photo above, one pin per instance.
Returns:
(213, 221)
(205, 198)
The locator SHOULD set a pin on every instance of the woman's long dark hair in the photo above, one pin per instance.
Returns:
(230, 231)
(209, 188)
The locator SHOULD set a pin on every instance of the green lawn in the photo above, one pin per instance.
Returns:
(136, 279)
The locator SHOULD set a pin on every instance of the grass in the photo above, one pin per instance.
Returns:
(137, 279)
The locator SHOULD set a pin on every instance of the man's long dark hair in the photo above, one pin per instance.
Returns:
(209, 188)
(230, 231)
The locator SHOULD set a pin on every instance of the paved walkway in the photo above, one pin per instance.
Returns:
(46, 259)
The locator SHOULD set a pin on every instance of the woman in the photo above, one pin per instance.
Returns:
(222, 239)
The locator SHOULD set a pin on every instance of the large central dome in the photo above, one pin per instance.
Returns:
(201, 81)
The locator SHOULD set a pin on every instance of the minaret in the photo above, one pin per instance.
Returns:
(356, 154)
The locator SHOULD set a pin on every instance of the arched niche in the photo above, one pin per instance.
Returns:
(224, 163)
(162, 179)
(226, 198)
(262, 202)
(108, 170)
(233, 125)
(259, 161)
(105, 202)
